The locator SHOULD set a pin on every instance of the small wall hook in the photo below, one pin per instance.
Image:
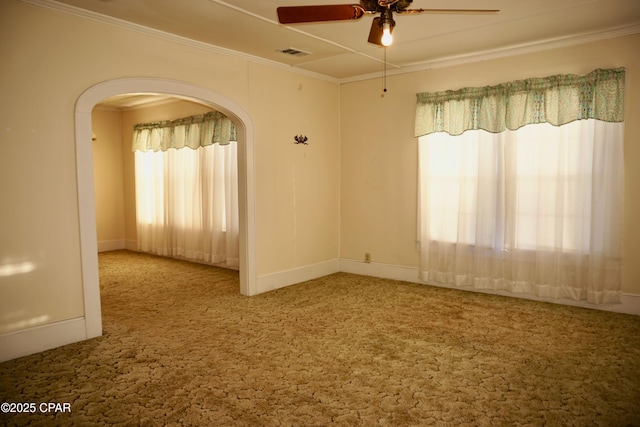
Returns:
(301, 139)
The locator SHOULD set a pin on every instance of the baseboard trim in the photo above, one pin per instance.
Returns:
(285, 278)
(115, 245)
(40, 338)
(630, 303)
(385, 271)
(110, 245)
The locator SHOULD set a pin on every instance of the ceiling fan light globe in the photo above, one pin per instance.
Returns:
(387, 38)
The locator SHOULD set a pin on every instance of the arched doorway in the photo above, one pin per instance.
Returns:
(86, 200)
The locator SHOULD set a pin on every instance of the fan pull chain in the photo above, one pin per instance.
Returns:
(384, 74)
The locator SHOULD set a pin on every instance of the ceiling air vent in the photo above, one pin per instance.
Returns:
(294, 52)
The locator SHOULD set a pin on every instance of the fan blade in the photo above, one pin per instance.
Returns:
(334, 12)
(409, 11)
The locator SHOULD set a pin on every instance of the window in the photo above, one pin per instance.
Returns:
(535, 209)
(187, 190)
(544, 174)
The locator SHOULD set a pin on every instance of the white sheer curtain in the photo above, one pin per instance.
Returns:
(521, 186)
(535, 210)
(187, 200)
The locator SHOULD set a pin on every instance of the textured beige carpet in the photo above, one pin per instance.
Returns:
(183, 347)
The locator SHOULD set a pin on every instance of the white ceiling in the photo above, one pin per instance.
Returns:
(340, 51)
(132, 101)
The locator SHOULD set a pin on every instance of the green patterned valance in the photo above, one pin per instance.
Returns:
(556, 100)
(193, 132)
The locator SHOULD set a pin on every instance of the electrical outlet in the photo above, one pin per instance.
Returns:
(367, 257)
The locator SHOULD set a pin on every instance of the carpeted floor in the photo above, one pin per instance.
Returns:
(183, 347)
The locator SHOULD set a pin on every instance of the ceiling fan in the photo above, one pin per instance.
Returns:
(381, 27)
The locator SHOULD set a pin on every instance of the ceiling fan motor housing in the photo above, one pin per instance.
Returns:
(380, 5)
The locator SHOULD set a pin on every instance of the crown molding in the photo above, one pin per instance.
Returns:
(506, 51)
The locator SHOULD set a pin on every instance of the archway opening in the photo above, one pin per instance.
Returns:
(86, 197)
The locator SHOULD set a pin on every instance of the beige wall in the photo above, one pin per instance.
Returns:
(378, 150)
(298, 184)
(108, 176)
(49, 59)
